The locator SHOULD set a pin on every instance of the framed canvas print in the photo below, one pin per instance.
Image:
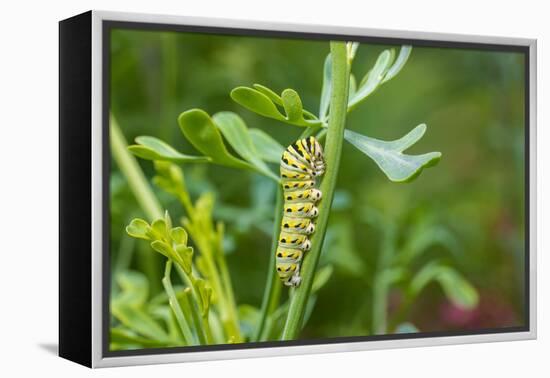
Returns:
(235, 189)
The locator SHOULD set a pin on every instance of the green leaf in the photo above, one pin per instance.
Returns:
(269, 93)
(389, 156)
(264, 101)
(425, 235)
(257, 102)
(373, 79)
(123, 336)
(457, 289)
(167, 222)
(399, 63)
(159, 229)
(339, 237)
(170, 178)
(293, 105)
(134, 288)
(249, 317)
(321, 278)
(352, 85)
(205, 294)
(200, 130)
(235, 131)
(151, 148)
(268, 148)
(390, 276)
(351, 48)
(139, 321)
(162, 247)
(185, 257)
(326, 88)
(138, 228)
(179, 235)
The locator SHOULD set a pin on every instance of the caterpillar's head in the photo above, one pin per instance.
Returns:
(310, 229)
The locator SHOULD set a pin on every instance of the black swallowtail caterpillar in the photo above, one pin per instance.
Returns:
(301, 163)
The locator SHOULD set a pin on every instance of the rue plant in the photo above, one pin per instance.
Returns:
(202, 309)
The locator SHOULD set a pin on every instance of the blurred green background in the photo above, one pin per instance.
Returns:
(467, 212)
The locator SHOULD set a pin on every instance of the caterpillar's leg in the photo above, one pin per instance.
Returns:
(313, 212)
(293, 280)
(316, 194)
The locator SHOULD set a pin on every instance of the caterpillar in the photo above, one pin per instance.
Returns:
(301, 163)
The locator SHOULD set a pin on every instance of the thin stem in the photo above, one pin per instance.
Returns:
(226, 285)
(189, 280)
(227, 308)
(333, 148)
(224, 271)
(169, 77)
(175, 305)
(207, 328)
(197, 319)
(142, 191)
(381, 285)
(272, 289)
(125, 253)
(130, 168)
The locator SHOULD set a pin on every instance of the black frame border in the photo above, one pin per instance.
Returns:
(75, 189)
(108, 25)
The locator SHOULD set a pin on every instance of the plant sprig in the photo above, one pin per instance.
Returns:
(254, 150)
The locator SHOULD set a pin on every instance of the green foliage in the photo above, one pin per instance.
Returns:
(333, 147)
(389, 156)
(267, 148)
(398, 267)
(265, 102)
(326, 88)
(136, 323)
(456, 288)
(151, 148)
(200, 130)
(398, 64)
(170, 242)
(237, 134)
(362, 270)
(385, 69)
(339, 92)
(191, 307)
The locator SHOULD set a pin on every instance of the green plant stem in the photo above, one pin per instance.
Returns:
(227, 309)
(175, 305)
(190, 281)
(381, 284)
(169, 72)
(197, 319)
(226, 285)
(141, 189)
(272, 291)
(130, 168)
(222, 264)
(333, 149)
